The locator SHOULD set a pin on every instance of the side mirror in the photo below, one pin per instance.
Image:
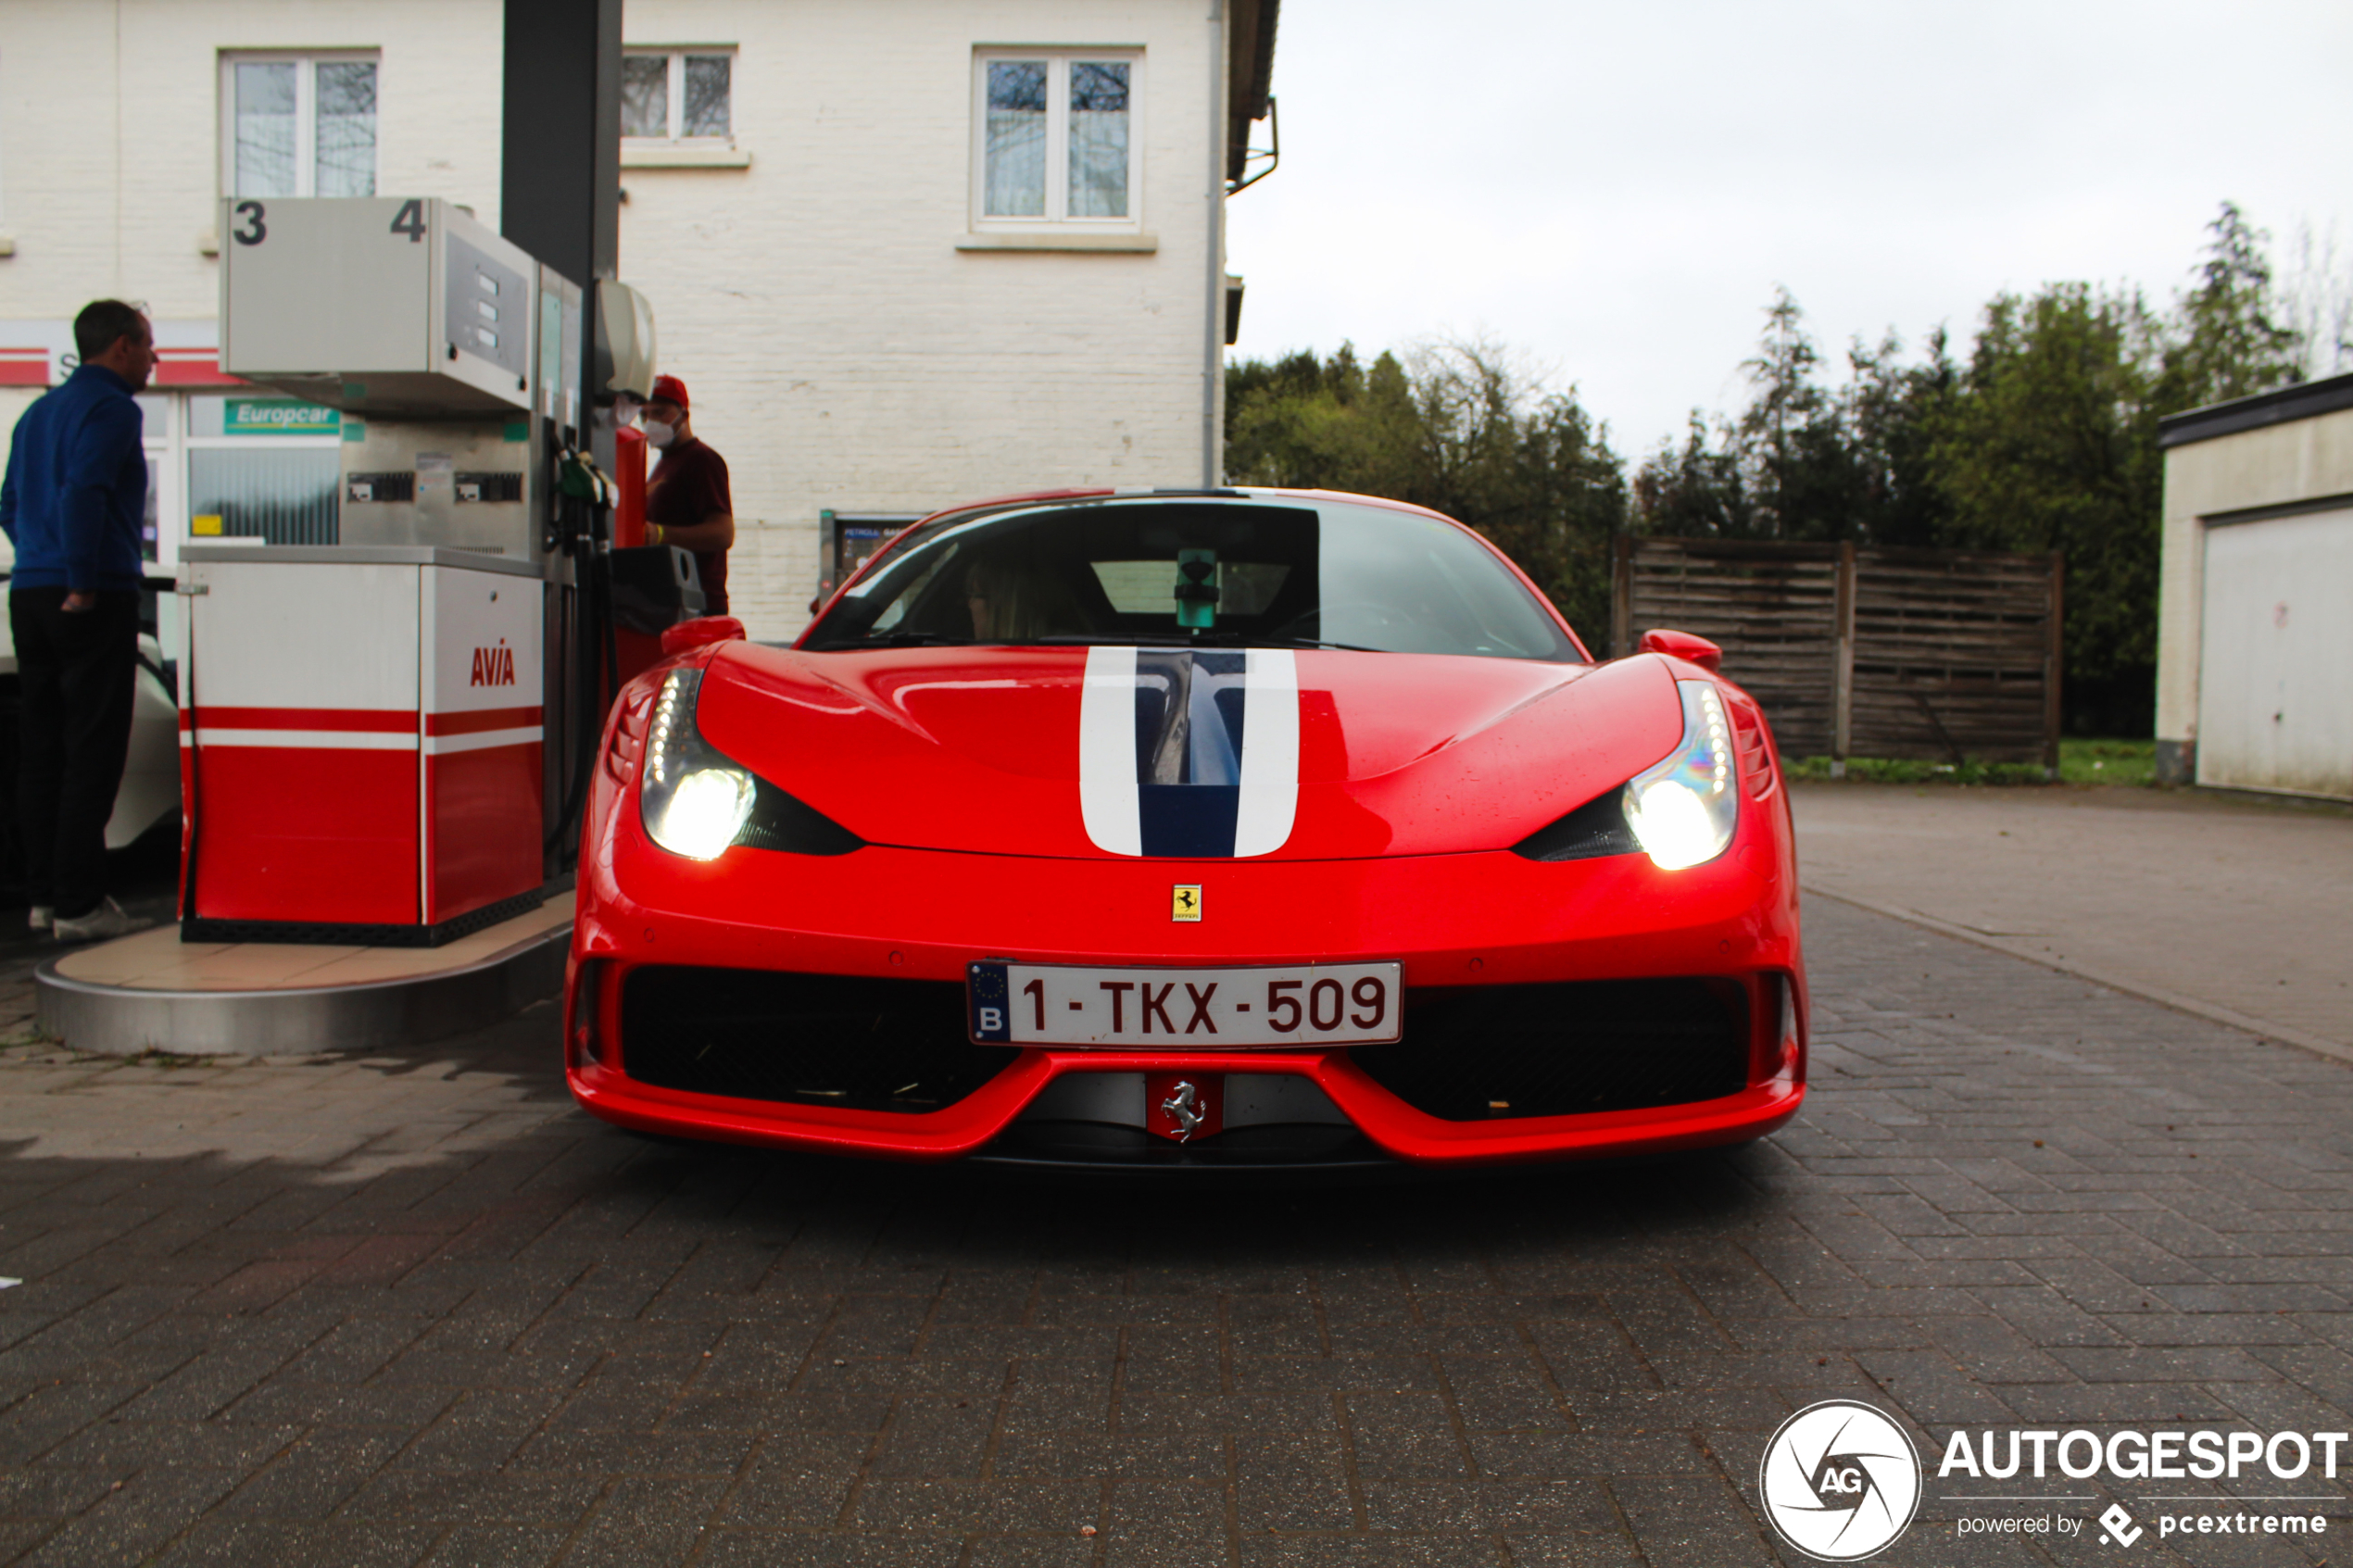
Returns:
(701, 632)
(1682, 645)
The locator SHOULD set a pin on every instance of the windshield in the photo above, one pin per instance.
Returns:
(1197, 572)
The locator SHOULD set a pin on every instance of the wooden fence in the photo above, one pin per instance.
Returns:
(1863, 650)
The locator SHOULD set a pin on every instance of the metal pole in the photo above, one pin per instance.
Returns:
(2054, 664)
(559, 162)
(1621, 596)
(560, 199)
(1843, 669)
(1213, 316)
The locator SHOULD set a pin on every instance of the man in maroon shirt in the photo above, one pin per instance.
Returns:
(686, 501)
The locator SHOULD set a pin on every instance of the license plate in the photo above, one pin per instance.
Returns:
(1346, 1004)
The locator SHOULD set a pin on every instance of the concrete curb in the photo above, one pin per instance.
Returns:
(126, 1020)
(2212, 1012)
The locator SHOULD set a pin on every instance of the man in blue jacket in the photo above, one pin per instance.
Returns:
(75, 494)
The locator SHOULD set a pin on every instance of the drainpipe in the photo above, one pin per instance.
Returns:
(1212, 351)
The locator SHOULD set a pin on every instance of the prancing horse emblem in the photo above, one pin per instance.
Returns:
(1182, 1107)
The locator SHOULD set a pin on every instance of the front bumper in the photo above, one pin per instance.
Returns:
(1461, 925)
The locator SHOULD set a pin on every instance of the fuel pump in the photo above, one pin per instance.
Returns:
(385, 739)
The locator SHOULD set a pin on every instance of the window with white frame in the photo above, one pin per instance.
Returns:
(298, 125)
(1054, 138)
(678, 94)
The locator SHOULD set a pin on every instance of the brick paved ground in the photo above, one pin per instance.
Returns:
(413, 1308)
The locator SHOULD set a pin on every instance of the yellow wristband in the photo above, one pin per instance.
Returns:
(653, 534)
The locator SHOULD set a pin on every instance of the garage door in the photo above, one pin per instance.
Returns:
(2275, 681)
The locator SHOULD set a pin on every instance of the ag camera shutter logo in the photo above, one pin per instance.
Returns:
(1840, 1481)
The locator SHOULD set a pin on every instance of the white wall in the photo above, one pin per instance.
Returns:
(2278, 465)
(109, 118)
(841, 351)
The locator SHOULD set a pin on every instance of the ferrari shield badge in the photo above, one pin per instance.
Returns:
(1184, 901)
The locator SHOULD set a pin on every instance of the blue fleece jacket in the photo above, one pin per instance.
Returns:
(76, 491)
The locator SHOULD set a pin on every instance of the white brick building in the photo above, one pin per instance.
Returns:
(903, 252)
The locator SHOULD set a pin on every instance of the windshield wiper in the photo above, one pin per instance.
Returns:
(1208, 639)
(908, 640)
(1312, 643)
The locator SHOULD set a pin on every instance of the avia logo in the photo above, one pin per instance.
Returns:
(493, 666)
(1840, 1481)
(2117, 1527)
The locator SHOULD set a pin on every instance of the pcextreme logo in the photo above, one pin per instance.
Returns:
(1840, 1481)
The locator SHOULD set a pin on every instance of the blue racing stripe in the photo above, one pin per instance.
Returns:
(1189, 822)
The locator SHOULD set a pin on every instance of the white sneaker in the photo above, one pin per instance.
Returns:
(106, 919)
(42, 917)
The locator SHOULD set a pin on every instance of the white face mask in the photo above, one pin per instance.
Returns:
(659, 433)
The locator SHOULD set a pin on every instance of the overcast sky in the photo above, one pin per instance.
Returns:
(1615, 189)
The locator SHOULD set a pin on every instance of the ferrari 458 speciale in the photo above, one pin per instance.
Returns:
(1242, 829)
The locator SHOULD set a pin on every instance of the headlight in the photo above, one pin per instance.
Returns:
(693, 800)
(1683, 810)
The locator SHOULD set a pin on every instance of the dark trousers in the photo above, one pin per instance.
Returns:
(76, 672)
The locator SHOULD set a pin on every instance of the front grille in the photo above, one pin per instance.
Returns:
(806, 1039)
(1475, 1053)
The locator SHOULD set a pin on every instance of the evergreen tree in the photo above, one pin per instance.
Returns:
(1889, 412)
(1697, 490)
(2230, 339)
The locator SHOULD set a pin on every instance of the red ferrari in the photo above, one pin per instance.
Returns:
(1240, 829)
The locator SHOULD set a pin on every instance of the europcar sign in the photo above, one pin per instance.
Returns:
(277, 416)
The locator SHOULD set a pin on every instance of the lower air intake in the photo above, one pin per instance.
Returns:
(1477, 1053)
(804, 1039)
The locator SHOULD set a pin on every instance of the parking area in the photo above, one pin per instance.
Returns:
(414, 1308)
(2234, 907)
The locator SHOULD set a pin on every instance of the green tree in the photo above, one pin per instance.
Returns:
(2048, 441)
(1803, 462)
(1465, 431)
(1791, 446)
(1697, 490)
(1889, 413)
(2230, 339)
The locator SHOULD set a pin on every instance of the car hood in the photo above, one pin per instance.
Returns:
(1027, 751)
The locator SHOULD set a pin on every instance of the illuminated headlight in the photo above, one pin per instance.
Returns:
(693, 800)
(1684, 808)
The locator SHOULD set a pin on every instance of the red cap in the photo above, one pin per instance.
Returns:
(669, 389)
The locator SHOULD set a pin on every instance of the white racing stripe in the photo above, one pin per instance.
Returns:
(1270, 752)
(1107, 798)
(1267, 802)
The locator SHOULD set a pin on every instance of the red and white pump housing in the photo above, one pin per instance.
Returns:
(360, 742)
